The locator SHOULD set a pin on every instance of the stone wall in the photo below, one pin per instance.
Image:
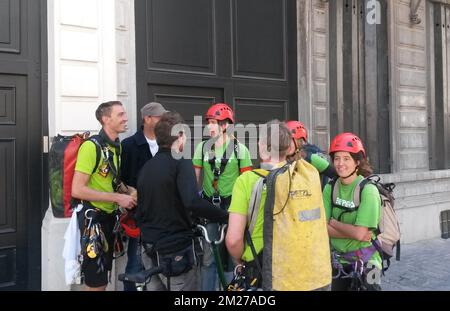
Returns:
(313, 63)
(408, 96)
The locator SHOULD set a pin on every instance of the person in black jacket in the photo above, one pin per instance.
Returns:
(136, 151)
(168, 201)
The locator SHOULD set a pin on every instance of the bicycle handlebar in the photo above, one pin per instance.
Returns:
(140, 277)
(205, 234)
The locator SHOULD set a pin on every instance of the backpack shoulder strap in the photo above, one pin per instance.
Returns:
(224, 161)
(233, 147)
(237, 152)
(357, 192)
(212, 160)
(98, 142)
(248, 237)
(334, 190)
(356, 195)
(375, 180)
(102, 148)
(203, 149)
(260, 172)
(255, 199)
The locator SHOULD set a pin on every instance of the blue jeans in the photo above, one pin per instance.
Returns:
(210, 278)
(134, 263)
(209, 274)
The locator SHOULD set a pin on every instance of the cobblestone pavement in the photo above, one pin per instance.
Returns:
(424, 266)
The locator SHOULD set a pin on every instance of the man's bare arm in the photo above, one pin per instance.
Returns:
(235, 235)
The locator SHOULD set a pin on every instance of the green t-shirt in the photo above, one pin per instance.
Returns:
(85, 164)
(229, 175)
(239, 205)
(319, 163)
(367, 215)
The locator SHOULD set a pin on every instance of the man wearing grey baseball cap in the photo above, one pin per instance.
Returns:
(136, 151)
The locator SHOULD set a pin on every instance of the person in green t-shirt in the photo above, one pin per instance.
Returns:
(242, 193)
(309, 152)
(220, 160)
(95, 186)
(352, 228)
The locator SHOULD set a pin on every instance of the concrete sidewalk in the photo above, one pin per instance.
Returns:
(424, 266)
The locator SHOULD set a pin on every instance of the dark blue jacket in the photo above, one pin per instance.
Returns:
(135, 153)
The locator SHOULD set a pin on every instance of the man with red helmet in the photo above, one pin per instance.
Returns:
(220, 160)
(352, 227)
(309, 152)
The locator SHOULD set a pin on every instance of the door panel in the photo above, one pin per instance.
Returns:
(190, 55)
(180, 36)
(259, 46)
(20, 149)
(9, 26)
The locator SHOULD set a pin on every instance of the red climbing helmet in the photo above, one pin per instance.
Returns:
(220, 112)
(347, 142)
(129, 226)
(297, 130)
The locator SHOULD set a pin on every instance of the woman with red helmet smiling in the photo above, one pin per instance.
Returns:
(352, 228)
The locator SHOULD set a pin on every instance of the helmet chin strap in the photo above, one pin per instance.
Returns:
(297, 147)
(356, 169)
(228, 131)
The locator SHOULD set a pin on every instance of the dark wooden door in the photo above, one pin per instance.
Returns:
(20, 147)
(439, 116)
(359, 89)
(193, 53)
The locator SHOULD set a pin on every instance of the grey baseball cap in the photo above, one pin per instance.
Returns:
(153, 109)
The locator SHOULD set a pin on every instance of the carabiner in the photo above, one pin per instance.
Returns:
(86, 216)
(216, 200)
